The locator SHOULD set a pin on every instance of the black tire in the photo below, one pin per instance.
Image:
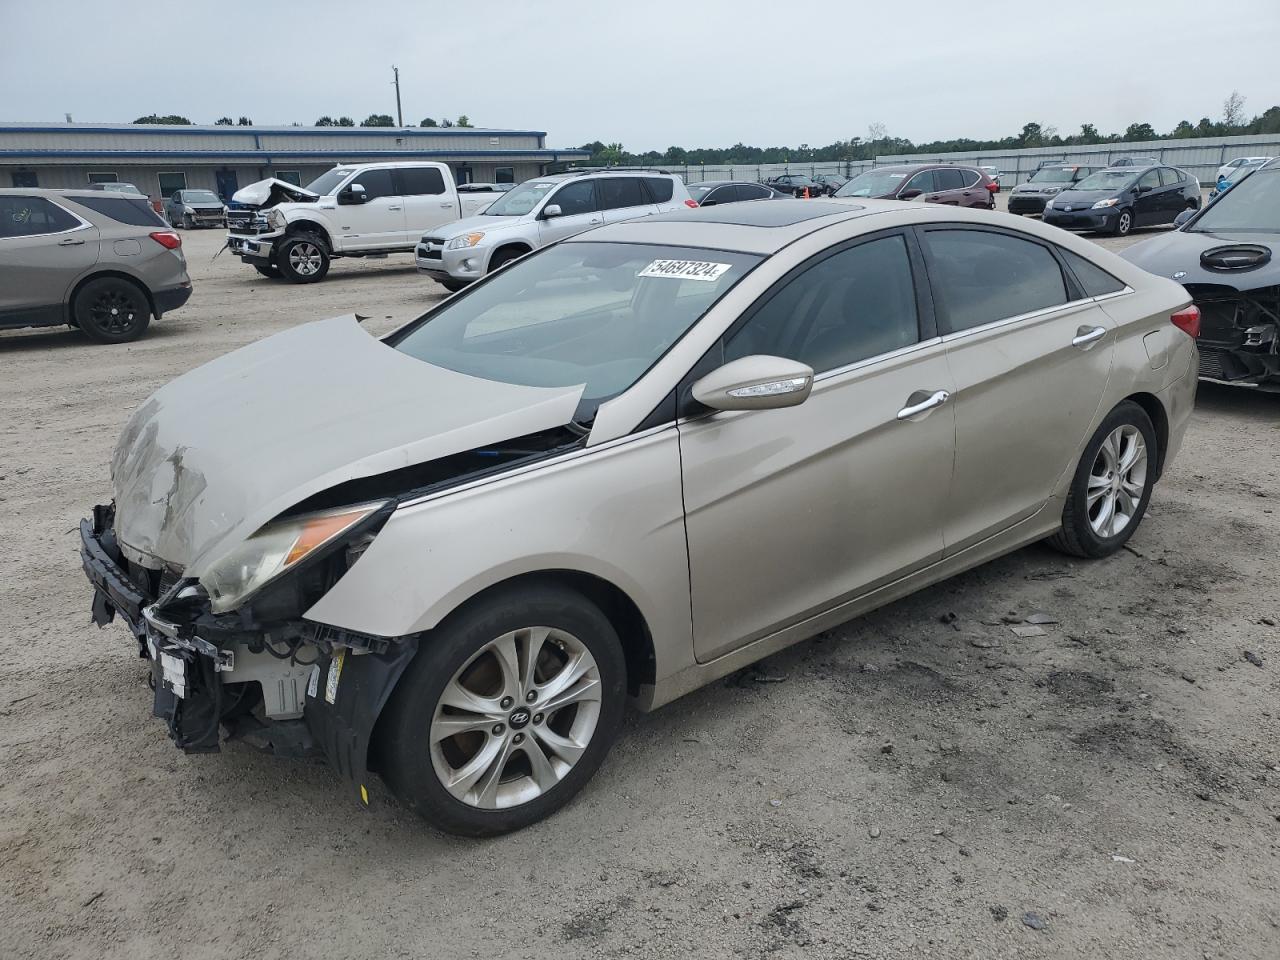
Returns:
(302, 258)
(187, 222)
(1077, 536)
(404, 749)
(1124, 223)
(111, 310)
(453, 286)
(268, 270)
(503, 257)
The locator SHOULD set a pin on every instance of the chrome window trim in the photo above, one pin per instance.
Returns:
(859, 365)
(1034, 315)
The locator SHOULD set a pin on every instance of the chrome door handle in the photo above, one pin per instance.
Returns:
(935, 399)
(447, 206)
(395, 208)
(70, 242)
(1085, 336)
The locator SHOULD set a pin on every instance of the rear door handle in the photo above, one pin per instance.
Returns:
(70, 242)
(447, 206)
(930, 401)
(1086, 336)
(395, 208)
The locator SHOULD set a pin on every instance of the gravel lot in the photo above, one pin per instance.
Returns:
(908, 785)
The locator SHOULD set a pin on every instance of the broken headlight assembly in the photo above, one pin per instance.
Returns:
(275, 549)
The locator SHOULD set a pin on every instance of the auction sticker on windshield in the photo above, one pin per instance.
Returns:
(685, 270)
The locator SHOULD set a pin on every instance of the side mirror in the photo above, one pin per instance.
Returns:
(910, 194)
(755, 383)
(353, 194)
(551, 210)
(1144, 188)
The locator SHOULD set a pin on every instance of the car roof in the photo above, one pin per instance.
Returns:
(69, 192)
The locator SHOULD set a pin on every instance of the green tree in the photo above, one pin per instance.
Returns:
(325, 121)
(344, 122)
(224, 122)
(1183, 130)
(172, 119)
(464, 121)
(1233, 110)
(428, 122)
(676, 154)
(244, 122)
(1139, 131)
(378, 120)
(1032, 135)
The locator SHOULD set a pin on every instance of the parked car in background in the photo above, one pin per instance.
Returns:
(353, 210)
(708, 193)
(1116, 200)
(1134, 162)
(1050, 162)
(1224, 256)
(1229, 180)
(195, 208)
(831, 182)
(541, 211)
(1230, 168)
(617, 468)
(1045, 184)
(930, 182)
(100, 261)
(485, 187)
(118, 187)
(994, 174)
(796, 184)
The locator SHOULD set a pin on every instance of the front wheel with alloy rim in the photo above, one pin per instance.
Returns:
(1124, 223)
(302, 258)
(111, 310)
(506, 711)
(1112, 485)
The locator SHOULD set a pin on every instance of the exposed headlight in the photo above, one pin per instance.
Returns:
(1103, 204)
(1052, 190)
(465, 241)
(273, 550)
(275, 219)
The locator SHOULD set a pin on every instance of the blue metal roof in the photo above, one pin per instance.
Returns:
(187, 130)
(268, 157)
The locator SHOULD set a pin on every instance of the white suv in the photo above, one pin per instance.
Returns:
(542, 211)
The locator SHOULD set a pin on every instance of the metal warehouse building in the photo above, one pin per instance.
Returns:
(161, 159)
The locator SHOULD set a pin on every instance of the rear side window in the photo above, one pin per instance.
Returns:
(420, 181)
(660, 188)
(969, 177)
(979, 277)
(32, 216)
(747, 191)
(1092, 278)
(948, 180)
(616, 192)
(134, 211)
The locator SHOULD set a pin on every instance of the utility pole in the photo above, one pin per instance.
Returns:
(399, 114)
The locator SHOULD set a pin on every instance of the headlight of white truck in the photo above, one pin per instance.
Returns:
(464, 242)
(273, 550)
(275, 219)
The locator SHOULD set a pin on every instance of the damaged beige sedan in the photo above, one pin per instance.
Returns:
(619, 468)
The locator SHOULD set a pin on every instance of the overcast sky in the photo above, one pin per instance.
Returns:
(648, 74)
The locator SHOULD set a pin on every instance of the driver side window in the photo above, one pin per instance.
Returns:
(376, 183)
(575, 198)
(922, 182)
(1149, 179)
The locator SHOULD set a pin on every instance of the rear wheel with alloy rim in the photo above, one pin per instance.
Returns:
(111, 310)
(303, 258)
(506, 711)
(1112, 485)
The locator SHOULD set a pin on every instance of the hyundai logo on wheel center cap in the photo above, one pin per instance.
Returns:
(518, 718)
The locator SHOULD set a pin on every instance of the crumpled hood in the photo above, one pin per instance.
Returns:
(472, 225)
(269, 192)
(218, 452)
(1178, 251)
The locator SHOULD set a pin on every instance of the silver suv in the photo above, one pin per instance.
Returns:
(542, 211)
(103, 262)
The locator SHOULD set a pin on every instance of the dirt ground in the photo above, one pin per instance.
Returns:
(918, 783)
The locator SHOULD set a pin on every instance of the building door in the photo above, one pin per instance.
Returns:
(228, 183)
(462, 174)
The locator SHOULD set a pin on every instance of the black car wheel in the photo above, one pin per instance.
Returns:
(453, 286)
(111, 310)
(268, 270)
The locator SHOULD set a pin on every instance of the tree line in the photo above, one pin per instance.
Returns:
(878, 142)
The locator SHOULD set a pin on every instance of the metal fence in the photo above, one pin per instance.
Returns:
(1200, 157)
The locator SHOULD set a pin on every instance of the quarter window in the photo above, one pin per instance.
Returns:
(969, 177)
(575, 198)
(618, 192)
(979, 277)
(1170, 178)
(420, 181)
(852, 305)
(32, 216)
(660, 188)
(134, 211)
(1092, 278)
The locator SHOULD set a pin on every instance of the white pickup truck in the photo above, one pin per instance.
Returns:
(354, 210)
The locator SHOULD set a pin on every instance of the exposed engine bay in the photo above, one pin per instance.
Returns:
(1239, 334)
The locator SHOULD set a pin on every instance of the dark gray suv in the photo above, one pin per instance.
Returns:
(101, 262)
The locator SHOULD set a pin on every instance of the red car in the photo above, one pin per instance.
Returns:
(931, 182)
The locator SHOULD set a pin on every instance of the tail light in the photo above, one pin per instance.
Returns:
(1188, 320)
(691, 203)
(167, 239)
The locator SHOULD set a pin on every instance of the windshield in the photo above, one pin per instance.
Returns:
(521, 200)
(873, 183)
(326, 183)
(1251, 206)
(1054, 175)
(598, 314)
(200, 196)
(1114, 180)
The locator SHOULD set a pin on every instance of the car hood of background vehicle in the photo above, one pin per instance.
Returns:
(476, 224)
(1179, 252)
(220, 451)
(1082, 198)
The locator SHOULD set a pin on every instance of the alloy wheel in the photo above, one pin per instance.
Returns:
(305, 259)
(115, 311)
(1117, 481)
(516, 718)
